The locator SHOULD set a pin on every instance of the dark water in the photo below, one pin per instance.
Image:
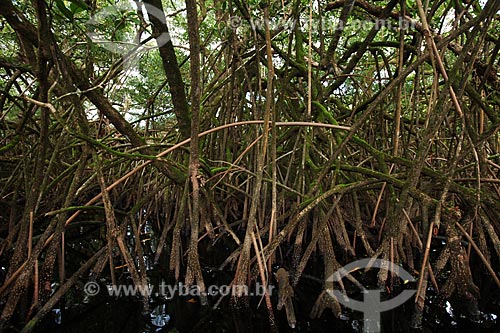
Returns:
(185, 314)
(104, 313)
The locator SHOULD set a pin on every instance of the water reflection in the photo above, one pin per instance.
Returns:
(159, 316)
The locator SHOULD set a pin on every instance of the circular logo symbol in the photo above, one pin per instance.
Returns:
(235, 22)
(91, 288)
(371, 306)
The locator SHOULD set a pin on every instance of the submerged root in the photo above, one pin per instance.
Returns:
(285, 296)
(325, 300)
(460, 282)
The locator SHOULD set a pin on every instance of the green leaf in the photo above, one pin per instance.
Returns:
(135, 19)
(64, 10)
(80, 4)
(119, 24)
(75, 9)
